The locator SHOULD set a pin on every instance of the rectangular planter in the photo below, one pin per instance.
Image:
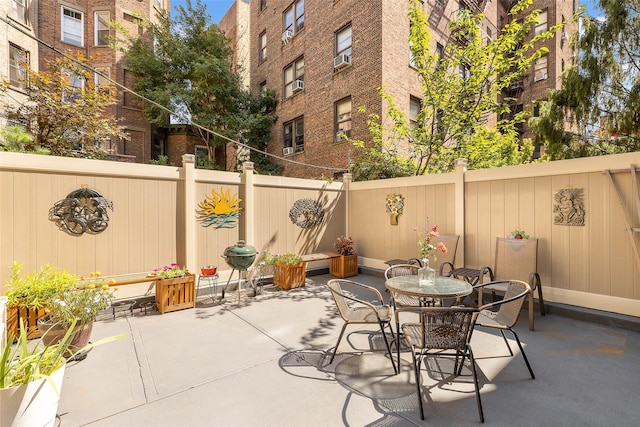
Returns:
(344, 266)
(29, 317)
(290, 276)
(176, 294)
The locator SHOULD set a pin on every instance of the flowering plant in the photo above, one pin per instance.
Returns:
(81, 303)
(518, 234)
(170, 271)
(344, 245)
(426, 242)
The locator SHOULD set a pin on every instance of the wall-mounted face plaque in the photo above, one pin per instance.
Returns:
(568, 208)
(82, 211)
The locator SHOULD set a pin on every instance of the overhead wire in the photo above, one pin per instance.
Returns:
(162, 107)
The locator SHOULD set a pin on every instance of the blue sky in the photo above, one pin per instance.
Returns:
(217, 8)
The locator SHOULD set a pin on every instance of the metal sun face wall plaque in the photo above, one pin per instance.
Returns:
(83, 210)
(568, 208)
(306, 213)
(221, 209)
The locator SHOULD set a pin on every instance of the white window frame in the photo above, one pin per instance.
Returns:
(540, 68)
(65, 18)
(18, 66)
(415, 105)
(344, 41)
(262, 46)
(295, 138)
(101, 25)
(19, 10)
(102, 83)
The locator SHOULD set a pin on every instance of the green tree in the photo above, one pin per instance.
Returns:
(66, 113)
(187, 69)
(601, 90)
(462, 87)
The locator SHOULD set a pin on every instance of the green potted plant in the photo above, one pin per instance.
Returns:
(31, 377)
(290, 271)
(28, 295)
(346, 265)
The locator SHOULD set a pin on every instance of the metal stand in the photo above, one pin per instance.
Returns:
(212, 281)
(240, 280)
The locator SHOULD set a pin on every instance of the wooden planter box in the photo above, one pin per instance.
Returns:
(176, 294)
(344, 266)
(30, 319)
(290, 276)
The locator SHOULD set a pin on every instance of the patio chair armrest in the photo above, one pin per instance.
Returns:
(443, 265)
(502, 301)
(487, 270)
(534, 280)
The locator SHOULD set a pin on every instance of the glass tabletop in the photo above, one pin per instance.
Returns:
(443, 287)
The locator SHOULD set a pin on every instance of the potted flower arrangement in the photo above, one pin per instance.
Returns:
(31, 377)
(175, 288)
(345, 265)
(76, 308)
(518, 235)
(289, 272)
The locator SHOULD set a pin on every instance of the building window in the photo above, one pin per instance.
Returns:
(75, 86)
(19, 11)
(101, 79)
(263, 86)
(294, 17)
(101, 35)
(18, 65)
(262, 41)
(263, 5)
(343, 41)
(540, 69)
(465, 71)
(439, 54)
(541, 26)
(158, 5)
(292, 73)
(342, 118)
(72, 25)
(129, 99)
(294, 134)
(415, 105)
(536, 109)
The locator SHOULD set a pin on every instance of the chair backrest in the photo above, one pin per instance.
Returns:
(510, 306)
(451, 242)
(401, 270)
(338, 296)
(516, 259)
(447, 328)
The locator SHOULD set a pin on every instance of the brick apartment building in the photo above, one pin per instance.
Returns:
(16, 49)
(327, 58)
(74, 26)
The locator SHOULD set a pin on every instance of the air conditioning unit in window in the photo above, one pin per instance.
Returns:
(339, 136)
(287, 151)
(287, 36)
(341, 61)
(298, 85)
(539, 77)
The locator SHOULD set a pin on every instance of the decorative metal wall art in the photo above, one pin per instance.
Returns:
(569, 207)
(83, 210)
(395, 205)
(221, 209)
(306, 213)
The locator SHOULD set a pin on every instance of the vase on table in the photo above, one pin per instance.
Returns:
(426, 274)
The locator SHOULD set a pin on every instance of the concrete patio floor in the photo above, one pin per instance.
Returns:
(264, 362)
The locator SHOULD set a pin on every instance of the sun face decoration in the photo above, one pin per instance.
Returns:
(221, 209)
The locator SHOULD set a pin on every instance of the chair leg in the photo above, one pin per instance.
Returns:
(531, 321)
(386, 341)
(506, 342)
(417, 359)
(475, 380)
(541, 301)
(524, 355)
(338, 343)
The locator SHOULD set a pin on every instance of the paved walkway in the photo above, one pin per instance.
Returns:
(263, 363)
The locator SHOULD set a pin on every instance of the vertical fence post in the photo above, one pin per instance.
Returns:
(461, 168)
(346, 184)
(249, 216)
(190, 226)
